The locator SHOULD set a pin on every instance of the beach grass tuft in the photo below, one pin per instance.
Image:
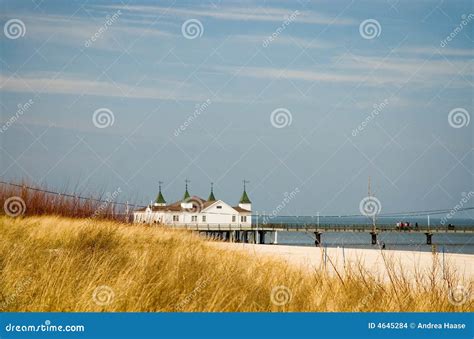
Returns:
(60, 264)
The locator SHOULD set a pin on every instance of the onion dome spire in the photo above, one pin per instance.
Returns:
(160, 199)
(245, 198)
(211, 196)
(186, 193)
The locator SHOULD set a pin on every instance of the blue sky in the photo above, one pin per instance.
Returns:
(352, 103)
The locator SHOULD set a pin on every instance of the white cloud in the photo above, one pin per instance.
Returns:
(369, 71)
(268, 14)
(74, 31)
(443, 51)
(72, 84)
(286, 40)
(47, 83)
(406, 66)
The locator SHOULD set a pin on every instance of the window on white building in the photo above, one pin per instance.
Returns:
(219, 207)
(203, 218)
(233, 218)
(175, 217)
(194, 218)
(243, 218)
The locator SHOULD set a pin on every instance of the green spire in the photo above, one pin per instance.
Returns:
(211, 196)
(186, 193)
(160, 199)
(245, 198)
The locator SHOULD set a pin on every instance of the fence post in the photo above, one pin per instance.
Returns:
(343, 256)
(444, 274)
(127, 214)
(325, 256)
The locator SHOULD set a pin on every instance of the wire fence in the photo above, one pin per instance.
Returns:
(128, 208)
(22, 199)
(22, 186)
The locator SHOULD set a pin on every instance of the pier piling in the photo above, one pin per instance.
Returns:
(245, 237)
(236, 236)
(317, 241)
(374, 238)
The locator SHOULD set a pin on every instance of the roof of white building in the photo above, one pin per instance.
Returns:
(198, 203)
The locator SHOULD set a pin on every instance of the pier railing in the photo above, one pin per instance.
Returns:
(367, 228)
(322, 228)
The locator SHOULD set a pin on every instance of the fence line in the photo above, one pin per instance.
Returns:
(412, 213)
(68, 195)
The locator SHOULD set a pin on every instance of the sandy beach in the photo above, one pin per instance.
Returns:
(374, 261)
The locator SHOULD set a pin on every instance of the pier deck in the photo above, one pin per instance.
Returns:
(326, 228)
(256, 232)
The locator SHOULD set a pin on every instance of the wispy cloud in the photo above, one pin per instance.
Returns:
(72, 84)
(268, 14)
(286, 73)
(48, 83)
(447, 52)
(425, 67)
(369, 71)
(74, 31)
(306, 43)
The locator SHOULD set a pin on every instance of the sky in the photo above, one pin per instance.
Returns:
(304, 99)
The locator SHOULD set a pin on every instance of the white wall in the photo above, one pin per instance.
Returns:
(222, 215)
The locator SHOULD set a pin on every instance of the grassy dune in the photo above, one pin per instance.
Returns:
(23, 198)
(61, 264)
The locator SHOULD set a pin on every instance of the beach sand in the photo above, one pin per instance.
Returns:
(373, 261)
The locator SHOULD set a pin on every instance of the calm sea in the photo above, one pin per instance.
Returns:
(450, 243)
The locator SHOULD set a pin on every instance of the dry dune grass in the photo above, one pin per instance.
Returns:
(24, 199)
(61, 264)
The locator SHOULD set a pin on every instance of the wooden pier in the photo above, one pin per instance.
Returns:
(256, 233)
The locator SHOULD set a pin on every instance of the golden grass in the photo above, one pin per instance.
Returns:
(58, 264)
(38, 201)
